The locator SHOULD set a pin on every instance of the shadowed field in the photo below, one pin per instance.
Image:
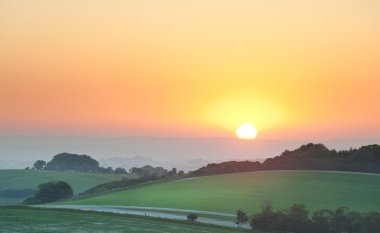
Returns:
(30, 179)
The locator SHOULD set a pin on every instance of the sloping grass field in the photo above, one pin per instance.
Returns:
(246, 191)
(47, 220)
(30, 179)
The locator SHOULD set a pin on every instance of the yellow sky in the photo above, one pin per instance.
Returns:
(295, 69)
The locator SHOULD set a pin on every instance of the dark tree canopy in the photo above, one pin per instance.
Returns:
(120, 170)
(241, 218)
(149, 171)
(172, 172)
(307, 157)
(74, 162)
(39, 164)
(51, 191)
(181, 173)
(192, 217)
(295, 219)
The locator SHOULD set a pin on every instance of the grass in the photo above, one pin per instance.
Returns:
(246, 191)
(44, 220)
(30, 179)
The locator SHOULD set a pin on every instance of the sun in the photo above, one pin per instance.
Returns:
(246, 131)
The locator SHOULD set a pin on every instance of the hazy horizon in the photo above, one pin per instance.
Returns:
(184, 153)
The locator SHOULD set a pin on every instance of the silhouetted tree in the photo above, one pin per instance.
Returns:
(322, 220)
(295, 219)
(120, 170)
(372, 221)
(192, 217)
(109, 170)
(67, 161)
(39, 164)
(307, 157)
(268, 220)
(172, 172)
(181, 173)
(51, 191)
(298, 221)
(339, 220)
(241, 218)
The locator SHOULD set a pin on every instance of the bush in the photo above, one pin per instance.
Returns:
(49, 192)
(31, 201)
(192, 217)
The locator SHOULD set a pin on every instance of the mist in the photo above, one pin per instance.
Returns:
(182, 153)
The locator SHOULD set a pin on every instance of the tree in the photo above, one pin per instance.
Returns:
(339, 220)
(120, 170)
(298, 218)
(136, 170)
(192, 217)
(373, 221)
(241, 218)
(39, 164)
(67, 161)
(51, 191)
(181, 173)
(268, 220)
(322, 220)
(109, 170)
(173, 172)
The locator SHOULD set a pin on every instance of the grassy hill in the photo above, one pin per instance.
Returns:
(228, 193)
(30, 179)
(40, 220)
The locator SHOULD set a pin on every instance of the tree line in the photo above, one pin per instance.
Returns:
(296, 219)
(307, 157)
(84, 163)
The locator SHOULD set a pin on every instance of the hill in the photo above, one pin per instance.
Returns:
(307, 157)
(228, 193)
(42, 220)
(22, 180)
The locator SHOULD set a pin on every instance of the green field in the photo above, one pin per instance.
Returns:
(43, 220)
(228, 193)
(30, 179)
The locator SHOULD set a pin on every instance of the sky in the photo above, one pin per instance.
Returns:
(297, 70)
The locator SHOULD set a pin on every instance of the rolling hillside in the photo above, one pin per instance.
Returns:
(230, 192)
(30, 179)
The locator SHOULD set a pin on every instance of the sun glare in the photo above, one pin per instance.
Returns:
(246, 131)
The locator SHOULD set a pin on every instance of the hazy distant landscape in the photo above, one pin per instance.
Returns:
(139, 151)
(310, 179)
(190, 116)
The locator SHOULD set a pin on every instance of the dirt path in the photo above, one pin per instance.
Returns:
(208, 217)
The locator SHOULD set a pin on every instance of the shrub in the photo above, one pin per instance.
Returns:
(49, 192)
(192, 217)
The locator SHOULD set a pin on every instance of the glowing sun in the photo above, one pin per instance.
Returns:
(246, 131)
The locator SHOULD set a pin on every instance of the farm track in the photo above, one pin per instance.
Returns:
(208, 217)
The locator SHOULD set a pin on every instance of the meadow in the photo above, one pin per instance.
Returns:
(44, 220)
(246, 191)
(30, 179)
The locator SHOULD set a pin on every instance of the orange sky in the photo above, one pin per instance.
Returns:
(295, 69)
